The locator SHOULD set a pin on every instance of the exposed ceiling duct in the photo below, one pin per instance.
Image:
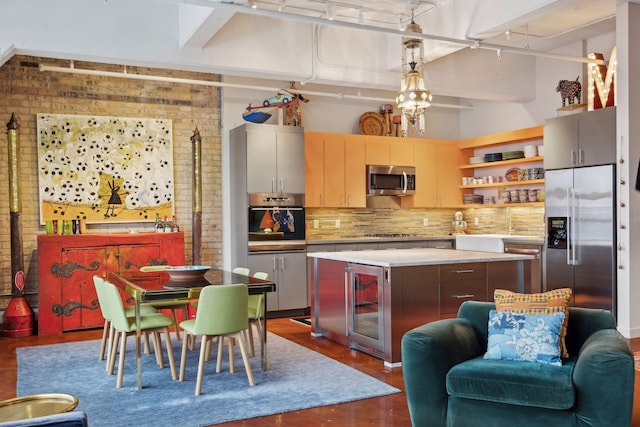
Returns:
(473, 44)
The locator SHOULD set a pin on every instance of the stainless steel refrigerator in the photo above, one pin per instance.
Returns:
(581, 234)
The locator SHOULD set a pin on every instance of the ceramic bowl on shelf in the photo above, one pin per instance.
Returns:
(512, 174)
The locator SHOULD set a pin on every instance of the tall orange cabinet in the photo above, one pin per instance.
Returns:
(67, 264)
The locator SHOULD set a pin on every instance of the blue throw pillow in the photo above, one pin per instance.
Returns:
(526, 337)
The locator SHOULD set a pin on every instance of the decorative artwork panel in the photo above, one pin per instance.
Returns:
(105, 169)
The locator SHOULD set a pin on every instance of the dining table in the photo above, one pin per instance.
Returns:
(159, 288)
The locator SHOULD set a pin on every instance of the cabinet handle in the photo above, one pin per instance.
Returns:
(464, 296)
(581, 158)
(321, 202)
(275, 263)
(573, 157)
(273, 185)
(342, 200)
(282, 266)
(348, 285)
(281, 185)
(463, 271)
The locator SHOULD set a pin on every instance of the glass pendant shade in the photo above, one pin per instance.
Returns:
(414, 98)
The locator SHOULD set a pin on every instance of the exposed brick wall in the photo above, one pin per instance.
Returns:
(26, 91)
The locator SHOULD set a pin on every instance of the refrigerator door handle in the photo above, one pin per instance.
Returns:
(571, 248)
(570, 228)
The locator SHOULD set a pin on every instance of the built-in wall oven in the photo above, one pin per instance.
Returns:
(276, 222)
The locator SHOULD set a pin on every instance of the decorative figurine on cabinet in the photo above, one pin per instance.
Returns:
(569, 90)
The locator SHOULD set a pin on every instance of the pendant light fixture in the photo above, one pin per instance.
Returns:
(413, 98)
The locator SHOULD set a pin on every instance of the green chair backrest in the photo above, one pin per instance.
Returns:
(255, 301)
(241, 270)
(98, 282)
(261, 275)
(222, 309)
(116, 307)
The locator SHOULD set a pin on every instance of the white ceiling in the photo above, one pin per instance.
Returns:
(291, 40)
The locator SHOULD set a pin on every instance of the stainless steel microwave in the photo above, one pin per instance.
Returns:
(391, 180)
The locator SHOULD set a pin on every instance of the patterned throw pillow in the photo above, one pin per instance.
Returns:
(525, 337)
(554, 301)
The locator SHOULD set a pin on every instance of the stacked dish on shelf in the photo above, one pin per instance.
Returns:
(530, 151)
(512, 155)
(493, 157)
(475, 160)
(472, 198)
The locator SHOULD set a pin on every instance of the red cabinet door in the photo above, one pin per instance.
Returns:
(79, 306)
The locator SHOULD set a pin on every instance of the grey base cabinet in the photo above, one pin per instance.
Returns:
(288, 270)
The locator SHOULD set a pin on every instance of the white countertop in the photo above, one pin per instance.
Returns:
(413, 257)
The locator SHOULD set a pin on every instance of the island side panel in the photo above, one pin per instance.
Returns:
(329, 293)
(414, 299)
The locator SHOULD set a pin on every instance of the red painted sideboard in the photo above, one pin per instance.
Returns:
(67, 264)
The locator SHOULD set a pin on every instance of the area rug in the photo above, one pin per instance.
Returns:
(636, 360)
(298, 378)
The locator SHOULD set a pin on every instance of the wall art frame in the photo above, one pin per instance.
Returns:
(101, 169)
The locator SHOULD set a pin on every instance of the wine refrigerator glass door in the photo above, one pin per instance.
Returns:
(366, 285)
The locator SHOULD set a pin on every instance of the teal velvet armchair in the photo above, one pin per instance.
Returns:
(449, 383)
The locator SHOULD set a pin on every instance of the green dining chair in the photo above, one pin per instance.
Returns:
(256, 312)
(222, 312)
(237, 270)
(167, 305)
(241, 270)
(107, 330)
(125, 325)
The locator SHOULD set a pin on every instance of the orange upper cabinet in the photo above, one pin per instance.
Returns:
(437, 174)
(426, 176)
(377, 151)
(314, 169)
(383, 150)
(334, 163)
(355, 172)
(335, 170)
(448, 174)
(402, 152)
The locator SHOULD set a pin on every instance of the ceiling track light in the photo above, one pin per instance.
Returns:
(252, 4)
(283, 4)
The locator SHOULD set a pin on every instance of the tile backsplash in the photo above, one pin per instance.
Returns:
(349, 223)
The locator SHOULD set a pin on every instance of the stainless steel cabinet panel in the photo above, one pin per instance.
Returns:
(454, 292)
(583, 139)
(560, 142)
(464, 271)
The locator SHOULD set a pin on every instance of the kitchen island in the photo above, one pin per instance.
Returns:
(369, 299)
